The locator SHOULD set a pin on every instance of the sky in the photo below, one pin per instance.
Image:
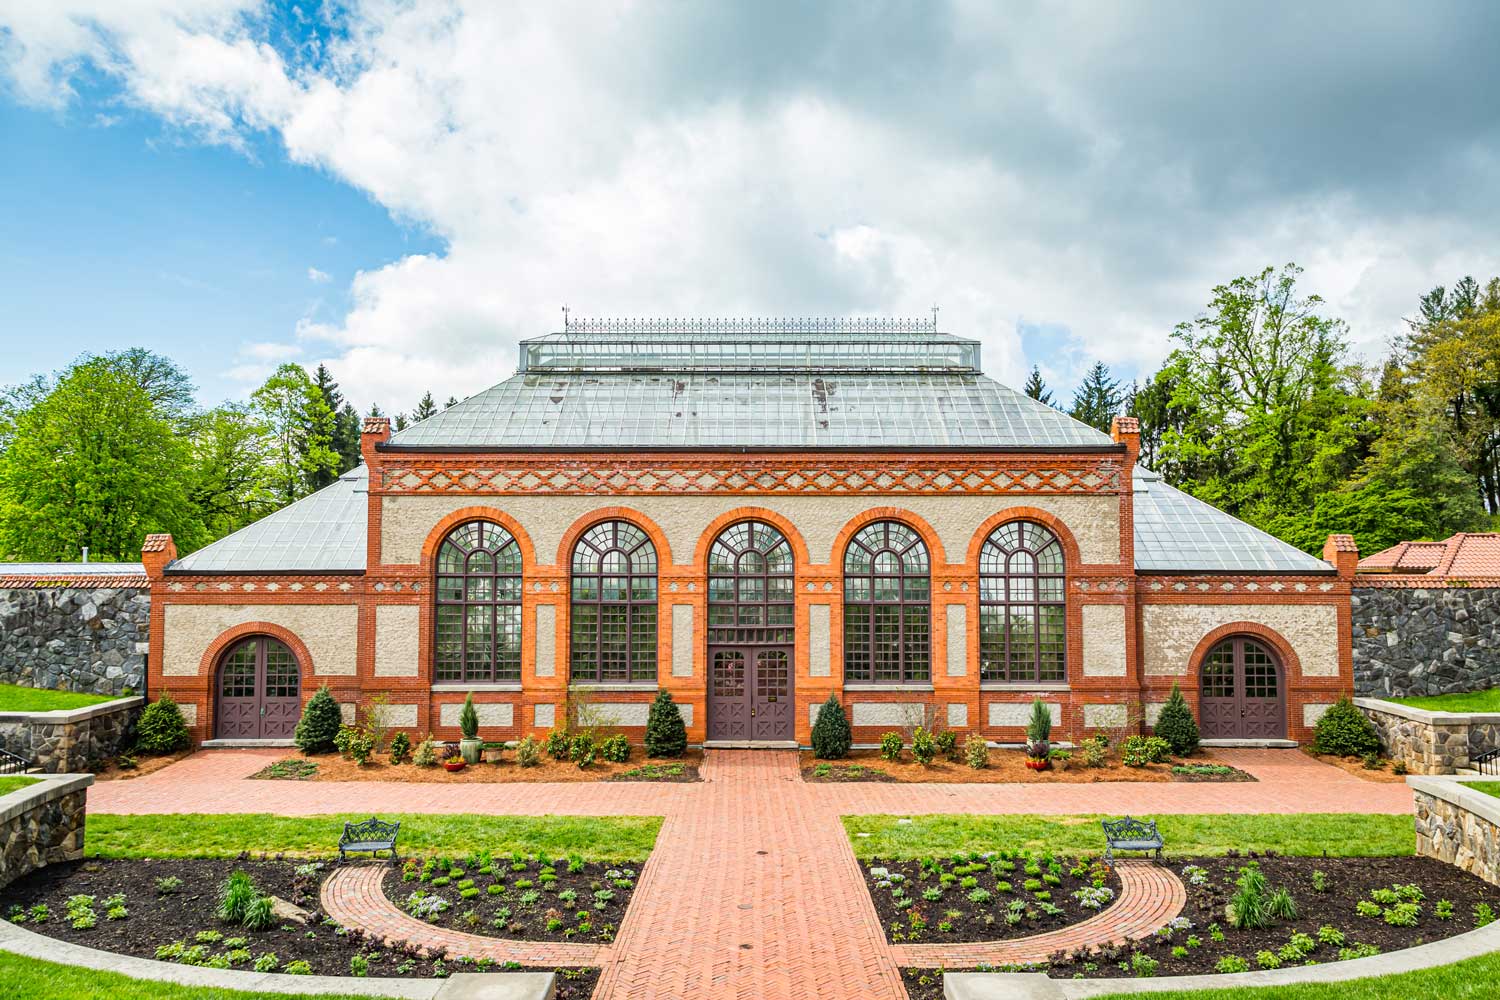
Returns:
(404, 190)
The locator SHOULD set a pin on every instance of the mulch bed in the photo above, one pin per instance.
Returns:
(986, 897)
(155, 920)
(516, 896)
(1005, 765)
(111, 770)
(661, 771)
(1346, 881)
(1356, 766)
(332, 767)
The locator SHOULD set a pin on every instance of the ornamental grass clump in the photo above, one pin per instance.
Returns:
(831, 735)
(1345, 732)
(666, 736)
(161, 729)
(1176, 724)
(320, 723)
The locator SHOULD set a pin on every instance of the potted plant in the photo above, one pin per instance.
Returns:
(493, 752)
(450, 758)
(1038, 731)
(468, 724)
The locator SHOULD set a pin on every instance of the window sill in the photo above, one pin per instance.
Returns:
(1024, 686)
(621, 686)
(888, 687)
(449, 687)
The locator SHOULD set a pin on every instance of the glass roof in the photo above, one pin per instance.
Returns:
(1175, 532)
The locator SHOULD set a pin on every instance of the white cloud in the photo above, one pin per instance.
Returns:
(1095, 174)
(317, 277)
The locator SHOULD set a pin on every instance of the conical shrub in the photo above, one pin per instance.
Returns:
(666, 736)
(831, 735)
(320, 723)
(1176, 724)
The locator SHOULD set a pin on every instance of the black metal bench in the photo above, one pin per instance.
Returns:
(1130, 835)
(372, 835)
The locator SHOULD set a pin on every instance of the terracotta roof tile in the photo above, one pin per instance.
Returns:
(1463, 555)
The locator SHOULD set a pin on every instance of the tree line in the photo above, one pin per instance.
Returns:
(1262, 411)
(114, 447)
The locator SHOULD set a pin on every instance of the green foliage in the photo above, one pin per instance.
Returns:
(320, 723)
(468, 718)
(558, 744)
(1097, 399)
(1096, 750)
(1248, 909)
(400, 748)
(615, 748)
(666, 736)
(161, 728)
(976, 752)
(235, 896)
(1138, 751)
(831, 735)
(300, 428)
(890, 746)
(258, 914)
(1176, 724)
(1039, 728)
(1036, 388)
(923, 746)
(947, 744)
(1345, 731)
(528, 752)
(426, 754)
(581, 750)
(359, 746)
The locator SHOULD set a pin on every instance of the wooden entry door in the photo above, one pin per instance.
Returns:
(750, 695)
(1241, 693)
(260, 691)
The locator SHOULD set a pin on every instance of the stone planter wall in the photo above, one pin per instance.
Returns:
(1415, 641)
(90, 640)
(72, 741)
(1431, 742)
(42, 824)
(1458, 825)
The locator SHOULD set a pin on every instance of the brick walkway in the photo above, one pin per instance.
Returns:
(753, 889)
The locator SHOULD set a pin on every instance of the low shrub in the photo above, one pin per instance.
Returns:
(923, 746)
(528, 752)
(235, 896)
(320, 723)
(976, 752)
(558, 744)
(890, 746)
(666, 736)
(947, 744)
(831, 735)
(1096, 750)
(426, 754)
(1138, 751)
(400, 749)
(1176, 724)
(615, 748)
(161, 729)
(1344, 731)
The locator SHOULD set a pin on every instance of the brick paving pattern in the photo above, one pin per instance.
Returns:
(753, 889)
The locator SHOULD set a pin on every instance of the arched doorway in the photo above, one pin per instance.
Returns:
(259, 692)
(750, 637)
(1242, 693)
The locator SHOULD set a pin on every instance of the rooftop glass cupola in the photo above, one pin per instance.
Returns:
(751, 345)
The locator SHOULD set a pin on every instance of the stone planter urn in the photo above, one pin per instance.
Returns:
(470, 749)
(492, 755)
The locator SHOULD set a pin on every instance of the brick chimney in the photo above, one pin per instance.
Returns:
(375, 430)
(1343, 554)
(156, 552)
(1127, 431)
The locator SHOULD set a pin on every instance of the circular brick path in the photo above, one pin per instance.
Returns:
(753, 890)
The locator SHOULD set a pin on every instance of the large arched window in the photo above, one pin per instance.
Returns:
(1022, 631)
(614, 605)
(478, 605)
(887, 610)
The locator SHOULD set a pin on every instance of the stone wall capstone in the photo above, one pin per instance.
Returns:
(42, 824)
(1416, 641)
(92, 641)
(75, 740)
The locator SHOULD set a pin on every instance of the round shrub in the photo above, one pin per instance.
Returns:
(890, 746)
(976, 752)
(1176, 724)
(320, 723)
(161, 729)
(400, 748)
(1343, 730)
(615, 748)
(528, 752)
(666, 736)
(923, 747)
(831, 736)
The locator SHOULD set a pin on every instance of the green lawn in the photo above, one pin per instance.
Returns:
(199, 835)
(10, 783)
(1470, 979)
(25, 699)
(37, 980)
(1487, 787)
(1339, 834)
(1472, 701)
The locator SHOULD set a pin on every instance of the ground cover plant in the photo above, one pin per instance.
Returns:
(16, 698)
(986, 896)
(1187, 835)
(535, 897)
(654, 771)
(15, 782)
(203, 835)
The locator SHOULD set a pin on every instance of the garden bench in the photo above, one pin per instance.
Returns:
(1130, 835)
(371, 835)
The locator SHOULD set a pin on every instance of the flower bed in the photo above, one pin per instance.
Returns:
(170, 910)
(986, 897)
(332, 767)
(1344, 908)
(531, 897)
(1006, 765)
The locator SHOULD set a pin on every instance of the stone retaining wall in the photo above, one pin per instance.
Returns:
(74, 740)
(1431, 742)
(90, 640)
(1416, 641)
(42, 824)
(1458, 825)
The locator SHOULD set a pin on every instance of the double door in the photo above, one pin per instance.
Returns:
(750, 694)
(259, 696)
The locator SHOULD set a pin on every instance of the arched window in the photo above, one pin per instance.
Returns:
(887, 614)
(614, 605)
(1022, 631)
(478, 605)
(750, 601)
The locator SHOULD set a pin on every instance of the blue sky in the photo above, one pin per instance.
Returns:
(404, 190)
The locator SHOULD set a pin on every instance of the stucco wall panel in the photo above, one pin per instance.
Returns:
(398, 634)
(330, 632)
(819, 663)
(1170, 633)
(958, 640)
(1104, 640)
(1094, 520)
(546, 640)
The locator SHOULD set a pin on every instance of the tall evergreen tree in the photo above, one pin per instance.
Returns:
(327, 429)
(425, 408)
(301, 430)
(1036, 388)
(1097, 400)
(452, 401)
(399, 422)
(346, 437)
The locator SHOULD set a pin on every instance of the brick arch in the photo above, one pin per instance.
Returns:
(213, 653)
(1286, 656)
(464, 515)
(936, 555)
(1072, 555)
(781, 523)
(577, 528)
